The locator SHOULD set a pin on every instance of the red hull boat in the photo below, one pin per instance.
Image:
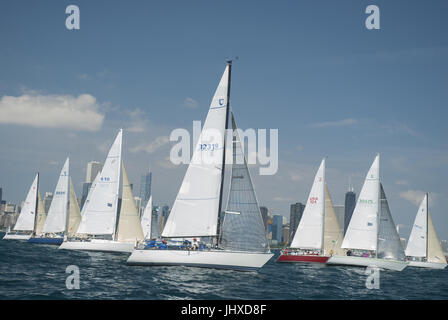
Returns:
(302, 258)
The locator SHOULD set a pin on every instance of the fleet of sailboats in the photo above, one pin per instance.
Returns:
(199, 232)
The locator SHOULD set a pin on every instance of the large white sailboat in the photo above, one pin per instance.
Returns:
(318, 235)
(54, 229)
(106, 226)
(26, 221)
(240, 242)
(423, 248)
(371, 239)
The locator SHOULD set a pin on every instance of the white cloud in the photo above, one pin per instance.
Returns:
(52, 111)
(340, 123)
(414, 196)
(152, 146)
(190, 103)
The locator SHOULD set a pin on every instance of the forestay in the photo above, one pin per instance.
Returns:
(362, 229)
(195, 210)
(243, 227)
(100, 212)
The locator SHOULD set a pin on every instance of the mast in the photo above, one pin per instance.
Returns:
(427, 215)
(323, 209)
(229, 64)
(36, 206)
(378, 211)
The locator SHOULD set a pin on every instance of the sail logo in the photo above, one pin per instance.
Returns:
(109, 204)
(314, 200)
(105, 179)
(221, 102)
(60, 193)
(364, 201)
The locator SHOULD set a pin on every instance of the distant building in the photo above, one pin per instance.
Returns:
(403, 242)
(264, 215)
(277, 226)
(444, 244)
(1, 195)
(47, 200)
(339, 210)
(350, 203)
(295, 215)
(93, 169)
(145, 189)
(286, 234)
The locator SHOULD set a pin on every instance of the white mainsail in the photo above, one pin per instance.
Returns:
(25, 221)
(147, 219)
(41, 215)
(417, 243)
(363, 227)
(100, 212)
(195, 210)
(333, 234)
(57, 213)
(309, 234)
(129, 227)
(74, 216)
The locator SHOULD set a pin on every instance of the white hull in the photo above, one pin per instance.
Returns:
(207, 259)
(16, 236)
(430, 265)
(368, 262)
(98, 245)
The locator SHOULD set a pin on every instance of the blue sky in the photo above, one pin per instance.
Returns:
(309, 68)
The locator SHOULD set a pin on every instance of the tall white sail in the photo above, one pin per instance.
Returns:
(389, 245)
(195, 210)
(25, 221)
(417, 243)
(309, 234)
(100, 212)
(435, 252)
(242, 228)
(74, 216)
(41, 215)
(333, 234)
(129, 227)
(363, 227)
(57, 213)
(147, 219)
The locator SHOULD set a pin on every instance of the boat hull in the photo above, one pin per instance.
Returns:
(430, 265)
(16, 236)
(245, 261)
(302, 258)
(55, 241)
(98, 245)
(367, 262)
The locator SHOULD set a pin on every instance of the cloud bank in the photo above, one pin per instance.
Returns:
(52, 111)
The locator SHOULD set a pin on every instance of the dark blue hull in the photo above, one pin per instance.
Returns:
(55, 241)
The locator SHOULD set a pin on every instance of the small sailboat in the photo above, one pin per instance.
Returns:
(54, 228)
(372, 239)
(106, 226)
(240, 242)
(26, 222)
(423, 248)
(318, 234)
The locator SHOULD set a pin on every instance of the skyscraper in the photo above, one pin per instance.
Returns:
(93, 168)
(277, 226)
(350, 202)
(47, 200)
(295, 215)
(264, 215)
(145, 189)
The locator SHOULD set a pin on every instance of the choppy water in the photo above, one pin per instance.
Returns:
(33, 271)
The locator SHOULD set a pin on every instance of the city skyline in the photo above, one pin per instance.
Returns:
(331, 87)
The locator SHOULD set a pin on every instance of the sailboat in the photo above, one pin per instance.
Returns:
(423, 248)
(240, 242)
(26, 221)
(372, 239)
(106, 226)
(54, 229)
(318, 235)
